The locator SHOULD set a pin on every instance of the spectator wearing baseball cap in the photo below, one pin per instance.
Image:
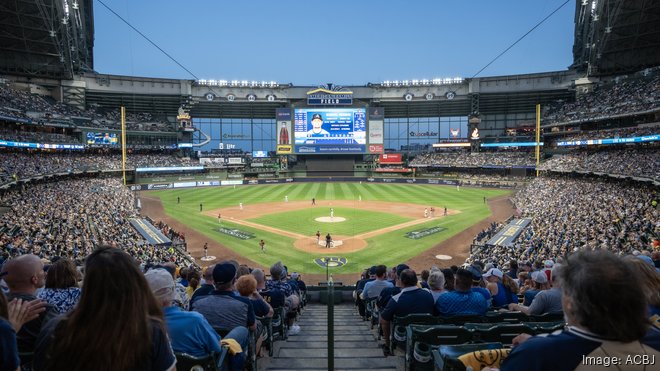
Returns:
(539, 283)
(478, 284)
(223, 308)
(544, 301)
(502, 288)
(189, 332)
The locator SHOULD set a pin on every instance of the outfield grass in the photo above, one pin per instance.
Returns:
(390, 248)
(357, 221)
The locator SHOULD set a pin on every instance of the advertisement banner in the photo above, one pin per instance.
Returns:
(231, 182)
(283, 114)
(284, 133)
(376, 113)
(159, 186)
(235, 160)
(376, 132)
(284, 149)
(376, 148)
(185, 184)
(330, 149)
(391, 158)
(208, 183)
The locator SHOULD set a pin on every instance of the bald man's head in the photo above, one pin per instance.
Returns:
(24, 274)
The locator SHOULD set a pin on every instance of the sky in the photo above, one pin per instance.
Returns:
(344, 42)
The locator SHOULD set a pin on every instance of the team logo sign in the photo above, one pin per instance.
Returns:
(330, 261)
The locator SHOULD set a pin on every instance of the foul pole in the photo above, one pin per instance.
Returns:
(538, 137)
(123, 142)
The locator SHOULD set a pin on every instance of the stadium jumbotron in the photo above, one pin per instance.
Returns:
(330, 211)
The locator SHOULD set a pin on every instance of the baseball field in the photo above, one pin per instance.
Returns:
(367, 223)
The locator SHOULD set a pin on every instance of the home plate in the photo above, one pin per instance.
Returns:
(327, 219)
(333, 244)
(208, 258)
(443, 257)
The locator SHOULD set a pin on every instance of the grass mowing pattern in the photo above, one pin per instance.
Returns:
(389, 249)
(357, 221)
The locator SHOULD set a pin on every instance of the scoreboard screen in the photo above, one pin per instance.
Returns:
(330, 130)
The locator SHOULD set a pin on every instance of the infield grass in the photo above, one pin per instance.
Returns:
(390, 248)
(357, 221)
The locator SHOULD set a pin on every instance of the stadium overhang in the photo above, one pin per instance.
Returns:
(46, 38)
(616, 36)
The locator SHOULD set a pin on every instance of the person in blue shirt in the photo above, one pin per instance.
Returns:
(461, 301)
(478, 283)
(411, 300)
(502, 288)
(224, 309)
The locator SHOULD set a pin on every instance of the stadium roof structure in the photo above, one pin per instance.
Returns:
(478, 96)
(46, 38)
(616, 36)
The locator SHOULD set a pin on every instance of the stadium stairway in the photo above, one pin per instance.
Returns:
(356, 347)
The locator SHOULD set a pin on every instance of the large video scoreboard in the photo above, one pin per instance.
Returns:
(327, 131)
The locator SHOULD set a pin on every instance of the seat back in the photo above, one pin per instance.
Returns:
(501, 333)
(267, 324)
(401, 323)
(279, 322)
(445, 357)
(506, 316)
(430, 337)
(546, 327)
(187, 362)
(547, 317)
(461, 319)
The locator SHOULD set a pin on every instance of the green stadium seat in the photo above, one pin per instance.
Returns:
(445, 357)
(501, 333)
(210, 362)
(547, 317)
(405, 321)
(424, 338)
(268, 342)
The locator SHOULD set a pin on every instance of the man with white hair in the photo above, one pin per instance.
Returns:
(189, 332)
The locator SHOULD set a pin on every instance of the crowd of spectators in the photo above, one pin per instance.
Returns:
(626, 96)
(70, 218)
(172, 308)
(560, 290)
(36, 136)
(569, 215)
(478, 159)
(15, 103)
(22, 164)
(637, 162)
(611, 133)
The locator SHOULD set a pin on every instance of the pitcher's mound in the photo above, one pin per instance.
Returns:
(327, 219)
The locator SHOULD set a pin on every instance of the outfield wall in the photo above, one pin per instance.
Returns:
(217, 183)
